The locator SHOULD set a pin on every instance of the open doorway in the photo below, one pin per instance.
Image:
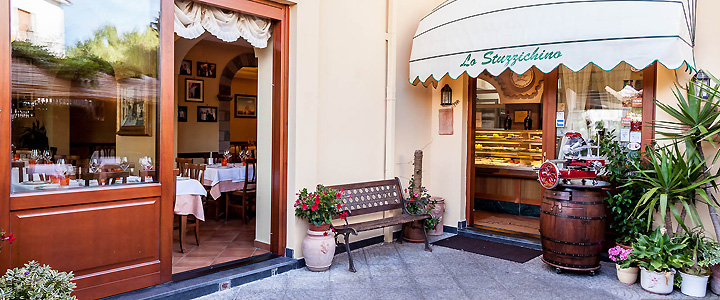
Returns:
(223, 100)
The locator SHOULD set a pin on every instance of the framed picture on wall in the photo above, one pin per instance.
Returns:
(205, 69)
(186, 67)
(182, 113)
(245, 106)
(207, 114)
(133, 111)
(194, 90)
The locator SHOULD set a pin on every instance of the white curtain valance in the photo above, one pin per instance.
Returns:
(192, 19)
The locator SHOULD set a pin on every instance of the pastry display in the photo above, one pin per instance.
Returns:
(515, 148)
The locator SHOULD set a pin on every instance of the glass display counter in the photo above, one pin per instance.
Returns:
(509, 148)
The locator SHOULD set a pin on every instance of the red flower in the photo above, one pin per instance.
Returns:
(342, 216)
(317, 201)
(314, 207)
(10, 238)
(325, 233)
(339, 205)
(338, 195)
(304, 206)
(297, 202)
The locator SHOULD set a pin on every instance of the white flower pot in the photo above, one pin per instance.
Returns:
(318, 248)
(657, 283)
(627, 275)
(695, 286)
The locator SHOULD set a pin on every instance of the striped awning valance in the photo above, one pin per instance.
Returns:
(477, 35)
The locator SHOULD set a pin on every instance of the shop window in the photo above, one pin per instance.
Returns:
(593, 101)
(84, 95)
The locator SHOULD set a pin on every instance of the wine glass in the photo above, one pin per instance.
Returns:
(47, 157)
(124, 163)
(93, 165)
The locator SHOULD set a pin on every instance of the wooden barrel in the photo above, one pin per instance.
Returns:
(572, 228)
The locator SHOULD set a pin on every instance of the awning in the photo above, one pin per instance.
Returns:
(476, 35)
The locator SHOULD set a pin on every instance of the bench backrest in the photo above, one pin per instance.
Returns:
(373, 196)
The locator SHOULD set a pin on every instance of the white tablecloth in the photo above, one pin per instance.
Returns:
(225, 179)
(188, 198)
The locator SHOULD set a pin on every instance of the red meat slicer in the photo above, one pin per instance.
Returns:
(578, 163)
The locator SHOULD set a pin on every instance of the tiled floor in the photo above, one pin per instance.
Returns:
(525, 225)
(219, 242)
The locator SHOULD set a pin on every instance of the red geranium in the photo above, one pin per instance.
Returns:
(318, 207)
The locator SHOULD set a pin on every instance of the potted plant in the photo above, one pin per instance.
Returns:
(627, 272)
(658, 257)
(696, 270)
(319, 208)
(712, 258)
(618, 170)
(419, 203)
(35, 282)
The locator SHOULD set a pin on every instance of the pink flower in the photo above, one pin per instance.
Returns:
(417, 195)
(314, 207)
(304, 206)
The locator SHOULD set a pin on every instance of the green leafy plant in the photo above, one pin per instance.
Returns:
(698, 247)
(697, 122)
(672, 181)
(36, 282)
(658, 253)
(419, 202)
(319, 207)
(34, 137)
(619, 168)
(712, 255)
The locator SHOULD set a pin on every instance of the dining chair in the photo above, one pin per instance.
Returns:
(247, 194)
(197, 172)
(181, 162)
(21, 169)
(148, 173)
(106, 178)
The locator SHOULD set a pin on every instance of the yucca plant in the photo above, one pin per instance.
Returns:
(697, 121)
(672, 180)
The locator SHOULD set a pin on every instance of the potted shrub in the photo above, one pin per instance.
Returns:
(696, 270)
(35, 282)
(712, 258)
(419, 203)
(658, 257)
(319, 208)
(627, 272)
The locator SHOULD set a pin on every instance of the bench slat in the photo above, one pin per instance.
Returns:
(369, 197)
(380, 223)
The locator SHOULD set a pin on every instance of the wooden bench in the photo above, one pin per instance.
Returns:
(370, 197)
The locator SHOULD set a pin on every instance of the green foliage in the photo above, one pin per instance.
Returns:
(131, 54)
(657, 252)
(319, 207)
(672, 180)
(419, 203)
(712, 255)
(697, 253)
(619, 168)
(84, 66)
(35, 282)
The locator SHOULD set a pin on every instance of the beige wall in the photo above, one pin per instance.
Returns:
(243, 129)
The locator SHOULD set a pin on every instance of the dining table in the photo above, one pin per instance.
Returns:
(188, 197)
(228, 178)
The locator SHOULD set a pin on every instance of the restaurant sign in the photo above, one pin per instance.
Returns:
(510, 59)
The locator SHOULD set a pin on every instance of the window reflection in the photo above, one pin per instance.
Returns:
(84, 93)
(592, 99)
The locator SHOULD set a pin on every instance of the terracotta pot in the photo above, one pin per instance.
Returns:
(318, 247)
(414, 232)
(694, 286)
(656, 282)
(627, 275)
(438, 211)
(715, 280)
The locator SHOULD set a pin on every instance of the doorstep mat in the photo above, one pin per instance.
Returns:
(489, 248)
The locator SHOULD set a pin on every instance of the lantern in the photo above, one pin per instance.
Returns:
(446, 96)
(702, 83)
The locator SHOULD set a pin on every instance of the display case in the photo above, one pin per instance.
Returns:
(510, 148)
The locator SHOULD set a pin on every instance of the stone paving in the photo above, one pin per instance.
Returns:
(405, 271)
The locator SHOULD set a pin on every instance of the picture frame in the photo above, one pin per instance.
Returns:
(194, 90)
(134, 115)
(182, 113)
(206, 69)
(245, 106)
(25, 101)
(207, 113)
(186, 67)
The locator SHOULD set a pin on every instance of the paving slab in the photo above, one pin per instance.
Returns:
(407, 271)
